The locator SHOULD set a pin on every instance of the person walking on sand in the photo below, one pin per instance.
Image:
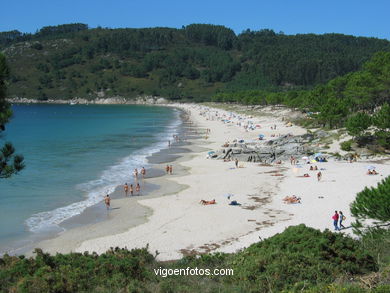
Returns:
(143, 172)
(335, 221)
(319, 176)
(138, 189)
(170, 170)
(135, 173)
(167, 169)
(126, 188)
(236, 162)
(342, 218)
(131, 190)
(107, 201)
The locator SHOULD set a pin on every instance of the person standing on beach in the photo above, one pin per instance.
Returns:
(135, 173)
(236, 162)
(342, 218)
(131, 190)
(143, 172)
(167, 169)
(170, 170)
(126, 189)
(107, 201)
(335, 221)
(138, 189)
(319, 176)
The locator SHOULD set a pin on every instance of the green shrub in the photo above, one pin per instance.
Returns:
(346, 145)
(300, 254)
(298, 259)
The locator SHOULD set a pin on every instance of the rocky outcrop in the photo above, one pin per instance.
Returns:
(281, 148)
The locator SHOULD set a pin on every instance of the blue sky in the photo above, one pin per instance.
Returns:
(361, 18)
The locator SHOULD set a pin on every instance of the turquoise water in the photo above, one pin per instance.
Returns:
(73, 155)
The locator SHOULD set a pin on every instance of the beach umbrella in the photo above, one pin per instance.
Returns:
(305, 158)
(318, 155)
(211, 152)
(370, 167)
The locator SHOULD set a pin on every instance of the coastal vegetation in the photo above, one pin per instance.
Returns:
(9, 162)
(369, 205)
(358, 101)
(300, 259)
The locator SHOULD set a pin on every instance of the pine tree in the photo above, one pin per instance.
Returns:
(372, 204)
(357, 124)
(9, 162)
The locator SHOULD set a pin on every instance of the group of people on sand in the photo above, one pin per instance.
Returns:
(176, 138)
(130, 188)
(169, 169)
(315, 168)
(372, 172)
(293, 160)
(338, 219)
(136, 173)
(292, 199)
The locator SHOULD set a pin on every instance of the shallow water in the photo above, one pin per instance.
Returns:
(74, 155)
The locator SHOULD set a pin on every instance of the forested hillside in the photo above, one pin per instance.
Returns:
(359, 101)
(193, 62)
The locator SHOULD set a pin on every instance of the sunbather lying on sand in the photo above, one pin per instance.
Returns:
(206, 202)
(234, 203)
(292, 199)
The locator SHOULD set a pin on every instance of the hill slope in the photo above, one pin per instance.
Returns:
(196, 61)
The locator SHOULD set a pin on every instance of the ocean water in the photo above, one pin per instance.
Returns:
(74, 155)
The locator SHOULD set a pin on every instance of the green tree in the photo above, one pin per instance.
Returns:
(9, 162)
(357, 124)
(372, 204)
(382, 118)
(382, 122)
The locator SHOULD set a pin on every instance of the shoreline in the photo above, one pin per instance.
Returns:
(96, 213)
(178, 225)
(190, 228)
(95, 221)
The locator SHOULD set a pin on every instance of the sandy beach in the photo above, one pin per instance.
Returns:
(174, 223)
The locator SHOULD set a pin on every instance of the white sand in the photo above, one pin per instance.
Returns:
(179, 224)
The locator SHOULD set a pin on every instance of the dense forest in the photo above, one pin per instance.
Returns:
(191, 63)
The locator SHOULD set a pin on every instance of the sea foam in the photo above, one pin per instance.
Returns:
(106, 183)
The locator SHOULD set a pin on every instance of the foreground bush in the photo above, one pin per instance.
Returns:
(75, 272)
(300, 259)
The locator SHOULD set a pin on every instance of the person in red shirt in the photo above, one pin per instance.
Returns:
(335, 221)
